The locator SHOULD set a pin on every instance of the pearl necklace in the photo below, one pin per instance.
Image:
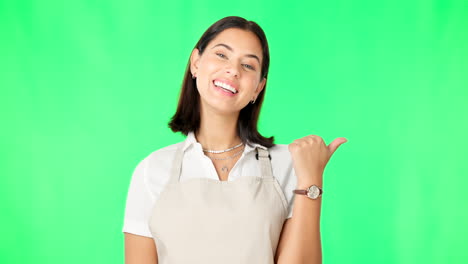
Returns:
(226, 158)
(222, 151)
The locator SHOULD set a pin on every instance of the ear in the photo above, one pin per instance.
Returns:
(260, 87)
(194, 59)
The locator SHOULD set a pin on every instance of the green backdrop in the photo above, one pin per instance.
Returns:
(87, 89)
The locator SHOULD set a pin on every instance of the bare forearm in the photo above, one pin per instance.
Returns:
(305, 228)
(300, 243)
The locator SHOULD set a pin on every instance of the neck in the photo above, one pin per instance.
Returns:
(217, 131)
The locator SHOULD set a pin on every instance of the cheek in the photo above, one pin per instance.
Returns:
(252, 82)
(205, 72)
(211, 64)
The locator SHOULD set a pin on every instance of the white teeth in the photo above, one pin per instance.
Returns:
(225, 86)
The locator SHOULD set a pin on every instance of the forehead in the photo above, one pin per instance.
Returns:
(241, 41)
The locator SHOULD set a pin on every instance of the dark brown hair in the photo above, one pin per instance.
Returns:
(187, 116)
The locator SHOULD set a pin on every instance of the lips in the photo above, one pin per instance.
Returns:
(224, 92)
(226, 85)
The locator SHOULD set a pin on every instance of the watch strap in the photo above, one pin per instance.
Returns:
(304, 192)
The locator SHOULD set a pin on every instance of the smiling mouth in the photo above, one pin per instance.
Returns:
(225, 87)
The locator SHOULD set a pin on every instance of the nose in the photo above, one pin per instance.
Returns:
(232, 70)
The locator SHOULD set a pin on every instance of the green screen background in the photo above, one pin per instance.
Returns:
(87, 89)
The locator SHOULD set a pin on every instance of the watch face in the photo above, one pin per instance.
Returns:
(313, 192)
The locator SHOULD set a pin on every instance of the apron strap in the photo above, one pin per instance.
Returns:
(265, 163)
(176, 165)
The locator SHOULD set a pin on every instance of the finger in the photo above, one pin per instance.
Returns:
(336, 143)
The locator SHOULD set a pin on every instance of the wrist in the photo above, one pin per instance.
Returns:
(313, 191)
(306, 183)
(306, 178)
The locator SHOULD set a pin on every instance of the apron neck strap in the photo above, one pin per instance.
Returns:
(265, 163)
(176, 165)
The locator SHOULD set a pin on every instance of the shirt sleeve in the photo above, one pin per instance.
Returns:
(291, 185)
(139, 203)
(283, 169)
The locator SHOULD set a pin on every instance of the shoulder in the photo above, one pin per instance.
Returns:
(158, 165)
(164, 154)
(280, 155)
(281, 163)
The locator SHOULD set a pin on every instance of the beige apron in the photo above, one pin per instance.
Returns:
(209, 221)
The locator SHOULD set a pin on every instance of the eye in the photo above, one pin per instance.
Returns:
(248, 66)
(221, 55)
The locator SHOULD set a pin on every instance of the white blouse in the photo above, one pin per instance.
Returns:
(152, 173)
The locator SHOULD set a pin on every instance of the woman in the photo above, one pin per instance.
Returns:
(225, 194)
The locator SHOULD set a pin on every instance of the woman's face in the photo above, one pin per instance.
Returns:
(228, 72)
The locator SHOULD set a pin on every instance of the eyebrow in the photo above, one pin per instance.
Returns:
(229, 48)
